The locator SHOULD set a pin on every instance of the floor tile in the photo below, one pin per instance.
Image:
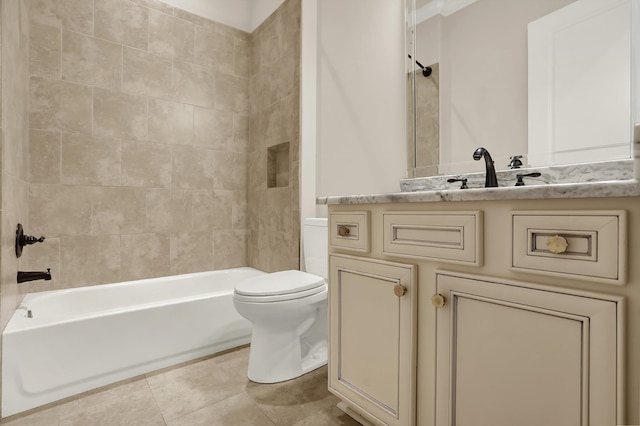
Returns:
(184, 390)
(128, 404)
(39, 417)
(289, 402)
(238, 410)
(331, 416)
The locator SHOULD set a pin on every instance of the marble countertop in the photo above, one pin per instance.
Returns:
(617, 188)
(594, 180)
(619, 178)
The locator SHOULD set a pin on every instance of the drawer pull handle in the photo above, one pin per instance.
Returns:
(438, 300)
(557, 244)
(399, 290)
(343, 231)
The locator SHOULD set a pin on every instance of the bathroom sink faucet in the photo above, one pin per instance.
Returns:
(491, 180)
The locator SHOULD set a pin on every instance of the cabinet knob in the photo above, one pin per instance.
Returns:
(343, 231)
(399, 290)
(438, 300)
(557, 244)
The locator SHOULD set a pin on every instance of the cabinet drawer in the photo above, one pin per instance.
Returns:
(349, 231)
(587, 245)
(445, 236)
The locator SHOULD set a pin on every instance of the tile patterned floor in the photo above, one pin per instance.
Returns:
(212, 391)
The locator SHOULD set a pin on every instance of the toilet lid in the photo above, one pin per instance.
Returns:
(280, 283)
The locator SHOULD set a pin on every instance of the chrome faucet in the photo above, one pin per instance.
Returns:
(490, 180)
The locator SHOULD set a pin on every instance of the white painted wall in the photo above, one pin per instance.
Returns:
(579, 54)
(361, 97)
(245, 15)
(308, 99)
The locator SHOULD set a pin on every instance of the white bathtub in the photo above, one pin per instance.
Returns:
(83, 338)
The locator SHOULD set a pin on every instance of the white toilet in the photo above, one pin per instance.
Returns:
(288, 310)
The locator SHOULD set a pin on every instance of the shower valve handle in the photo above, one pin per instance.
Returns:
(30, 239)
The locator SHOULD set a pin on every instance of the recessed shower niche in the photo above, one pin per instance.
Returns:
(278, 165)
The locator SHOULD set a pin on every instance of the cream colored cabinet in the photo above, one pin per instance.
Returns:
(514, 355)
(372, 333)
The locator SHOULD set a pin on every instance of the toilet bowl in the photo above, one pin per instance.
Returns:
(288, 310)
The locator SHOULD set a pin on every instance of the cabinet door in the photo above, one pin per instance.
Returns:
(372, 331)
(510, 355)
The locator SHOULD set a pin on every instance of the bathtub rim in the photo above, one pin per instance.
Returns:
(17, 324)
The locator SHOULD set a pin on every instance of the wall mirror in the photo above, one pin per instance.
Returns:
(554, 81)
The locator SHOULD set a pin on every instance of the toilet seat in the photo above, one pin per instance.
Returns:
(279, 286)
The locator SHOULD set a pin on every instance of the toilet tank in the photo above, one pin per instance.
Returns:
(316, 246)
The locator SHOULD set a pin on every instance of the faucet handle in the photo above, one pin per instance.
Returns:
(463, 180)
(515, 162)
(520, 176)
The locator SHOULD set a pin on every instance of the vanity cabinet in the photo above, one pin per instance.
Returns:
(520, 312)
(513, 355)
(372, 332)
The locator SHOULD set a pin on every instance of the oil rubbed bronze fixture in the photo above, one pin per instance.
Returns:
(24, 240)
(491, 181)
(426, 71)
(34, 276)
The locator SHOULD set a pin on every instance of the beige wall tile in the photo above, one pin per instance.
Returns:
(278, 122)
(14, 208)
(170, 122)
(240, 133)
(144, 256)
(241, 58)
(232, 32)
(193, 168)
(118, 210)
(168, 210)
(214, 49)
(75, 15)
(16, 152)
(276, 210)
(212, 210)
(194, 84)
(146, 74)
(43, 256)
(230, 170)
(156, 4)
(232, 93)
(272, 214)
(119, 115)
(281, 78)
(170, 36)
(44, 156)
(44, 50)
(146, 164)
(191, 252)
(122, 21)
(195, 19)
(257, 170)
(230, 249)
(87, 160)
(239, 211)
(91, 61)
(60, 210)
(89, 260)
(59, 105)
(213, 129)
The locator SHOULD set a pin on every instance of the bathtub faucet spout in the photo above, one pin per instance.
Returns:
(32, 276)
